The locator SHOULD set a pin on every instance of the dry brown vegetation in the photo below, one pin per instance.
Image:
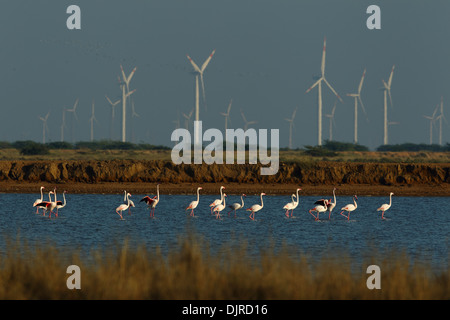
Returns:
(191, 271)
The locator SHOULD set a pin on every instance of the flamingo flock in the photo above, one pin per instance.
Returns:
(216, 207)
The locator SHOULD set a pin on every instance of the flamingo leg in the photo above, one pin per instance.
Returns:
(382, 215)
(287, 213)
(329, 215)
(292, 212)
(315, 217)
(120, 214)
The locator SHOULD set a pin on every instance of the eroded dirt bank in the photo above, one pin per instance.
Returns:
(141, 176)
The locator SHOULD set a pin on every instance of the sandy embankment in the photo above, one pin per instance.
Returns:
(141, 177)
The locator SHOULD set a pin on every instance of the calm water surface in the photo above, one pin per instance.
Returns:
(418, 225)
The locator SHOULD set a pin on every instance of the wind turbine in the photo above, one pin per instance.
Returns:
(92, 119)
(63, 124)
(187, 118)
(331, 117)
(357, 97)
(73, 110)
(44, 126)
(199, 71)
(247, 123)
(319, 93)
(387, 91)
(432, 119)
(227, 114)
(125, 94)
(291, 126)
(113, 104)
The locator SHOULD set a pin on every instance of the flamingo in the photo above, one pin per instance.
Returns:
(321, 206)
(45, 205)
(53, 205)
(289, 206)
(236, 206)
(194, 203)
(331, 205)
(124, 206)
(292, 205)
(220, 207)
(350, 207)
(125, 201)
(256, 207)
(152, 202)
(37, 201)
(216, 202)
(386, 206)
(60, 204)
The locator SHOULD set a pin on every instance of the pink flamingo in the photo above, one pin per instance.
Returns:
(46, 205)
(256, 207)
(350, 207)
(152, 202)
(292, 205)
(236, 206)
(123, 206)
(321, 206)
(37, 201)
(386, 206)
(194, 203)
(216, 202)
(220, 207)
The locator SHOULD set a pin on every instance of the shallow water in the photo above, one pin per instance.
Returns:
(418, 225)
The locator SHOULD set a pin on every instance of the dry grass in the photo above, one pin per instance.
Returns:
(191, 271)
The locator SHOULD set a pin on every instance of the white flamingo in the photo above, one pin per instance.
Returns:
(292, 205)
(220, 207)
(236, 206)
(194, 203)
(350, 207)
(331, 205)
(289, 206)
(256, 207)
(60, 204)
(386, 206)
(216, 202)
(46, 205)
(123, 206)
(152, 202)
(125, 201)
(37, 201)
(321, 206)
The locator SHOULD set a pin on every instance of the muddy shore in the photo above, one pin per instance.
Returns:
(141, 177)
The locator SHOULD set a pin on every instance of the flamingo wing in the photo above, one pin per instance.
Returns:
(147, 200)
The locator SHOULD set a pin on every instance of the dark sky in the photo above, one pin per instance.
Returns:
(267, 53)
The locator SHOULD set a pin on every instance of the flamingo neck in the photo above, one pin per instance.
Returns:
(42, 195)
(64, 197)
(390, 199)
(354, 201)
(334, 196)
(49, 196)
(297, 197)
(262, 204)
(242, 199)
(157, 191)
(198, 194)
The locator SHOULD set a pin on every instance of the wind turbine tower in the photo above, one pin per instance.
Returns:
(387, 91)
(291, 126)
(357, 97)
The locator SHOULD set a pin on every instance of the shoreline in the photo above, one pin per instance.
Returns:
(232, 188)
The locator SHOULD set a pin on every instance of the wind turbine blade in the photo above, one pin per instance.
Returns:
(361, 82)
(131, 75)
(203, 90)
(363, 108)
(334, 109)
(390, 97)
(293, 114)
(229, 106)
(243, 116)
(109, 100)
(205, 64)
(322, 66)
(390, 77)
(123, 74)
(130, 93)
(334, 91)
(315, 84)
(75, 105)
(194, 64)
